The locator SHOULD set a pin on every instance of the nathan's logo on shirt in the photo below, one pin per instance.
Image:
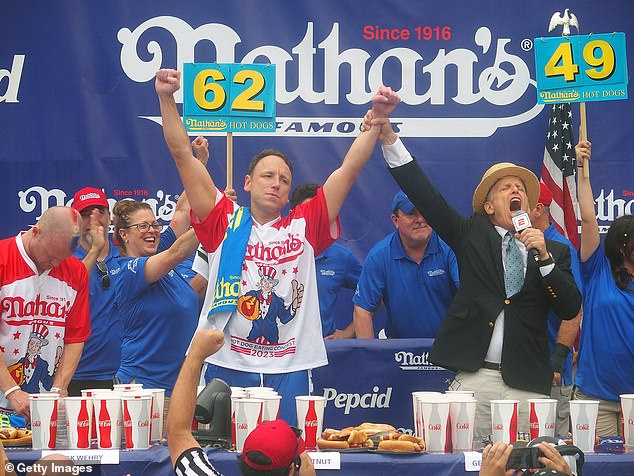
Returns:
(411, 361)
(227, 289)
(276, 252)
(436, 272)
(17, 307)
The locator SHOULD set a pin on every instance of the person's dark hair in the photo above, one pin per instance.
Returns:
(260, 458)
(121, 217)
(266, 152)
(302, 192)
(619, 242)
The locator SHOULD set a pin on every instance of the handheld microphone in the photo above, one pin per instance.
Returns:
(521, 221)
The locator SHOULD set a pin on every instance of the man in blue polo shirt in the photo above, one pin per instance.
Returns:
(102, 351)
(337, 268)
(561, 334)
(412, 271)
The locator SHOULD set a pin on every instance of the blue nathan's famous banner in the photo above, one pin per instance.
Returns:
(78, 107)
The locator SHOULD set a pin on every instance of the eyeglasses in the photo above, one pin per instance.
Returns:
(102, 267)
(144, 226)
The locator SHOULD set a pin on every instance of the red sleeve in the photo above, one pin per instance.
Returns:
(212, 229)
(78, 320)
(320, 233)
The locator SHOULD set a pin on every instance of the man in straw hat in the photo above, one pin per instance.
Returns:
(495, 332)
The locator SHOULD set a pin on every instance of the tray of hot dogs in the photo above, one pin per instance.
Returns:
(370, 437)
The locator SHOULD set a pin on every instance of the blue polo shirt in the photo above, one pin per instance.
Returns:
(336, 268)
(159, 320)
(606, 354)
(554, 322)
(416, 297)
(102, 351)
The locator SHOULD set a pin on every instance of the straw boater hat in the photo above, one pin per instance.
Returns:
(495, 173)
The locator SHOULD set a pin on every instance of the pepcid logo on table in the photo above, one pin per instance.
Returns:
(349, 401)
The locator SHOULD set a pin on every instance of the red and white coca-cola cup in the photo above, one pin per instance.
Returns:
(157, 409)
(78, 421)
(90, 393)
(43, 407)
(418, 430)
(109, 414)
(310, 417)
(248, 416)
(583, 420)
(271, 406)
(434, 412)
(542, 414)
(627, 411)
(137, 415)
(235, 395)
(462, 410)
(504, 420)
(127, 387)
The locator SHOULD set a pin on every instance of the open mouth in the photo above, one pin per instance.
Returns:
(516, 204)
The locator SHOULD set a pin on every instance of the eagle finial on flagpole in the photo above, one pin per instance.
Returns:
(566, 20)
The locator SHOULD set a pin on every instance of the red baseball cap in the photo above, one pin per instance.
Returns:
(89, 197)
(545, 195)
(277, 441)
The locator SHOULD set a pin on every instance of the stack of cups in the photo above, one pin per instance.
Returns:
(272, 401)
(43, 407)
(504, 420)
(137, 417)
(627, 411)
(248, 415)
(237, 393)
(583, 419)
(434, 422)
(89, 394)
(79, 414)
(462, 410)
(418, 431)
(109, 414)
(542, 415)
(310, 418)
(157, 408)
(127, 387)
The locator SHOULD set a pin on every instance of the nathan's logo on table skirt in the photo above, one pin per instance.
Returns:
(348, 401)
(412, 361)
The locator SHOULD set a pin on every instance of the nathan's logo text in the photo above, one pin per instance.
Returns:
(485, 71)
(410, 361)
(17, 307)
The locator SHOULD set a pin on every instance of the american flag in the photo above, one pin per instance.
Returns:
(558, 172)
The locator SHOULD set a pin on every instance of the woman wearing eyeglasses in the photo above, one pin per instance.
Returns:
(158, 305)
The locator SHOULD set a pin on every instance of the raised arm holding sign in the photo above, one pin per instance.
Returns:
(262, 286)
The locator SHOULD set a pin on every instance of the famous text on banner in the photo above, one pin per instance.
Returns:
(581, 68)
(228, 97)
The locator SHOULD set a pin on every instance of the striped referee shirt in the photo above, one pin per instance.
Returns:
(194, 462)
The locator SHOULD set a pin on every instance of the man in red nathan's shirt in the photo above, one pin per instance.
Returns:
(43, 301)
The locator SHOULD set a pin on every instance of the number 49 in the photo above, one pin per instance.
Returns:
(561, 63)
